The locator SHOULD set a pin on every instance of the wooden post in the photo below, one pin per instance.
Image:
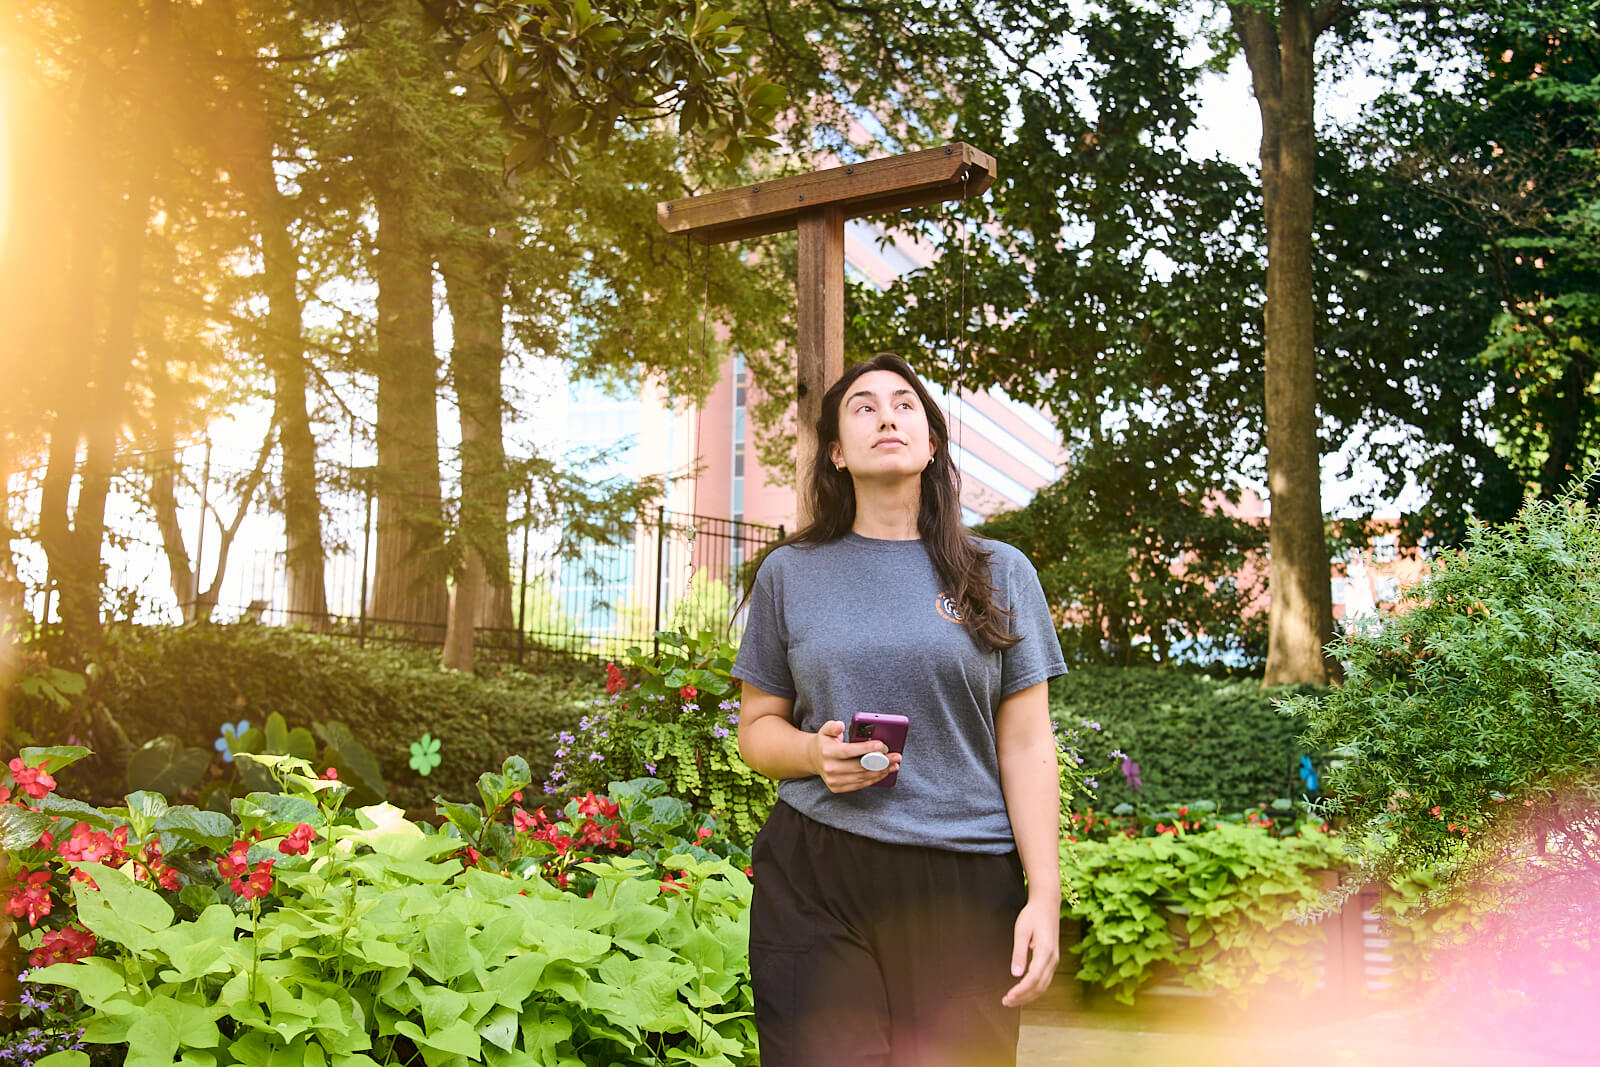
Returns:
(819, 354)
(817, 205)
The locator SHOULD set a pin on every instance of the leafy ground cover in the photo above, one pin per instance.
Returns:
(1217, 903)
(295, 931)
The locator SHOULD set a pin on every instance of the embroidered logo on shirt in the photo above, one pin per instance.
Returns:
(947, 608)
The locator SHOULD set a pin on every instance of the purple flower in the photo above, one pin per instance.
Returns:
(719, 732)
(1130, 771)
(733, 720)
(651, 769)
(595, 757)
(1091, 783)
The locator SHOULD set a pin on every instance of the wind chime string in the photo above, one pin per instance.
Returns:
(699, 422)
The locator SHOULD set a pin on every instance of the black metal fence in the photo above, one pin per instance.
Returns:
(594, 596)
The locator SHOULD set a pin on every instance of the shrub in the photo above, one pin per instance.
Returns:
(678, 722)
(191, 680)
(1468, 737)
(297, 932)
(1218, 906)
(1469, 720)
(1193, 737)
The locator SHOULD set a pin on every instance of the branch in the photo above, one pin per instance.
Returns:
(247, 493)
(1327, 14)
(1260, 40)
(297, 57)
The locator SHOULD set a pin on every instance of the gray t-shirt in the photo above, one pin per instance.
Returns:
(859, 624)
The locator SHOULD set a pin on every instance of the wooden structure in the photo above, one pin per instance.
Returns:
(817, 205)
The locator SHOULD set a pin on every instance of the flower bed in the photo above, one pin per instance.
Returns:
(295, 931)
(1213, 902)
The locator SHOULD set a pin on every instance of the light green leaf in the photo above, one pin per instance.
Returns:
(54, 757)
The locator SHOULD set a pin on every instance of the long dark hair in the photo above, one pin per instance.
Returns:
(961, 562)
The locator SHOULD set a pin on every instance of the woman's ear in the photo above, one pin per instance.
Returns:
(836, 456)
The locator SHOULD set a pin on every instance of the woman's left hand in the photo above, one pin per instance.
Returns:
(1035, 951)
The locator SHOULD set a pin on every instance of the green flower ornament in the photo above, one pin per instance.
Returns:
(425, 755)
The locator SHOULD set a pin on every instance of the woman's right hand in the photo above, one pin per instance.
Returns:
(838, 762)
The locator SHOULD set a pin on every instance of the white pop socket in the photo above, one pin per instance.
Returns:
(875, 761)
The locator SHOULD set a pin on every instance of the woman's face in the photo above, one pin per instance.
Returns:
(883, 429)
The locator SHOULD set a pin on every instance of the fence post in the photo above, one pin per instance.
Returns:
(366, 552)
(661, 559)
(522, 585)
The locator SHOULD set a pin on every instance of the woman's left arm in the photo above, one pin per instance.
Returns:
(1031, 781)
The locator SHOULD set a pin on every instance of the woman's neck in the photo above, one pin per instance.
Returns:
(888, 512)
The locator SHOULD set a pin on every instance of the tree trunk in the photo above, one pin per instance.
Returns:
(304, 561)
(1283, 74)
(409, 571)
(476, 288)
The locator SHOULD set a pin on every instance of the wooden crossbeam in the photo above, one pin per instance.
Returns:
(870, 188)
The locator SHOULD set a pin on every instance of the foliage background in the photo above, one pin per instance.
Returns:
(189, 680)
(1194, 737)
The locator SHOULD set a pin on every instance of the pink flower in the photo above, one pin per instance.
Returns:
(298, 843)
(615, 682)
(88, 846)
(330, 775)
(527, 824)
(68, 945)
(235, 863)
(31, 897)
(703, 833)
(688, 693)
(674, 882)
(258, 885)
(34, 781)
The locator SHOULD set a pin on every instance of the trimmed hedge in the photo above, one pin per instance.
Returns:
(189, 680)
(1194, 737)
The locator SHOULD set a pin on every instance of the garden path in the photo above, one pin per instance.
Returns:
(1057, 1032)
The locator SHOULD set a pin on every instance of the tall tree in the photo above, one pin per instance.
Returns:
(1279, 46)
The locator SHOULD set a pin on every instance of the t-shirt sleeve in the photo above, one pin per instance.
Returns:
(1037, 657)
(763, 658)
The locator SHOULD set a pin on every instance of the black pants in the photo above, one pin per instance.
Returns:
(877, 955)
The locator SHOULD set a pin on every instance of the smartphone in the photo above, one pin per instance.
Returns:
(890, 729)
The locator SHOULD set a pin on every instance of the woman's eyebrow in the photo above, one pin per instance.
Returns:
(874, 396)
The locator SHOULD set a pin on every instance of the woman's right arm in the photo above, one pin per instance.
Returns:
(773, 745)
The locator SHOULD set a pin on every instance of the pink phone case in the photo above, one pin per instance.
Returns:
(890, 729)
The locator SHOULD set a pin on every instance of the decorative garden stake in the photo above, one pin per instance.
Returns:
(425, 755)
(817, 205)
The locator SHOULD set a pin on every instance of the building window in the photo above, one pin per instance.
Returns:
(1388, 590)
(1341, 590)
(1385, 549)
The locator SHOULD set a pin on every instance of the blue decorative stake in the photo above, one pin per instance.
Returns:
(1308, 774)
(231, 732)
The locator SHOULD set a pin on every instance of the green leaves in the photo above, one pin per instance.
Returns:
(166, 765)
(496, 789)
(1219, 906)
(1470, 713)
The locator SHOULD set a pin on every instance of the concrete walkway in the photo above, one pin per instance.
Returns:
(1056, 1032)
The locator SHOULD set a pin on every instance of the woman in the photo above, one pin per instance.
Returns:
(901, 926)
